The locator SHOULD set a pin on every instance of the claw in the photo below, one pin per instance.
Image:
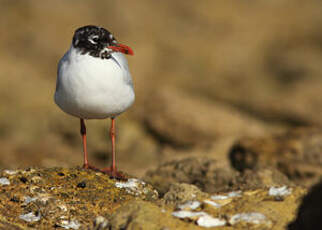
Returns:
(114, 173)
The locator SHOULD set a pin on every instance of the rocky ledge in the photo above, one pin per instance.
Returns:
(61, 198)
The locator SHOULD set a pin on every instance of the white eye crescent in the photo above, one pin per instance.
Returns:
(93, 39)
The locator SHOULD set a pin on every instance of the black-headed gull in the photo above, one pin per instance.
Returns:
(94, 82)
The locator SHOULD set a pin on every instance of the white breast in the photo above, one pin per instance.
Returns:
(93, 88)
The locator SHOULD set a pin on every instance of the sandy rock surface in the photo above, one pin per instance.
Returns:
(66, 198)
(80, 199)
(218, 84)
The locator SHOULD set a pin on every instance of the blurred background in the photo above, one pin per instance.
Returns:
(206, 74)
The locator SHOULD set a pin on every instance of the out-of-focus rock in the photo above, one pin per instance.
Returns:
(209, 176)
(296, 153)
(309, 214)
(206, 174)
(182, 119)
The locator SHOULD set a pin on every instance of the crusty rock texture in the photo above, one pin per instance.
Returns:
(75, 198)
(66, 198)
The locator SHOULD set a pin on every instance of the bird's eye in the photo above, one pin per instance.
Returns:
(93, 39)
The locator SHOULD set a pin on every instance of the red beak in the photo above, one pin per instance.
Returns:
(121, 48)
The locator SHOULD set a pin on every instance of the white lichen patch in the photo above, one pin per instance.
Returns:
(219, 197)
(4, 181)
(30, 217)
(62, 207)
(129, 184)
(251, 217)
(212, 203)
(189, 205)
(134, 186)
(235, 194)
(188, 214)
(223, 199)
(209, 221)
(70, 224)
(10, 172)
(42, 198)
(202, 219)
(279, 191)
(28, 199)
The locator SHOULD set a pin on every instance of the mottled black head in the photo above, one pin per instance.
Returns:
(94, 40)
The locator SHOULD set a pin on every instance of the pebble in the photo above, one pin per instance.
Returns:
(4, 181)
(81, 184)
(23, 179)
(212, 203)
(251, 217)
(188, 214)
(203, 219)
(219, 197)
(30, 217)
(189, 205)
(73, 224)
(29, 199)
(209, 221)
(10, 172)
(279, 191)
(235, 194)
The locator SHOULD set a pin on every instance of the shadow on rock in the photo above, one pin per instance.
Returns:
(309, 215)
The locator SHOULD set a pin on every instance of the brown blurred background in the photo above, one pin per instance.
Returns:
(206, 73)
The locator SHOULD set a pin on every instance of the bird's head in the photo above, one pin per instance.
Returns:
(98, 42)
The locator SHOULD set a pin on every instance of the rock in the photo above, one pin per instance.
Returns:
(209, 176)
(204, 173)
(55, 199)
(296, 153)
(180, 193)
(261, 178)
(309, 214)
(101, 223)
(251, 209)
(145, 216)
(67, 198)
(197, 122)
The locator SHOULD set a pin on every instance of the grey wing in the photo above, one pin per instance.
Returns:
(59, 68)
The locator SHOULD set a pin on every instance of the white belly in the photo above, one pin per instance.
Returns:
(93, 88)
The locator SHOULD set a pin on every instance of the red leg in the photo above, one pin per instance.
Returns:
(84, 140)
(83, 133)
(112, 171)
(112, 135)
